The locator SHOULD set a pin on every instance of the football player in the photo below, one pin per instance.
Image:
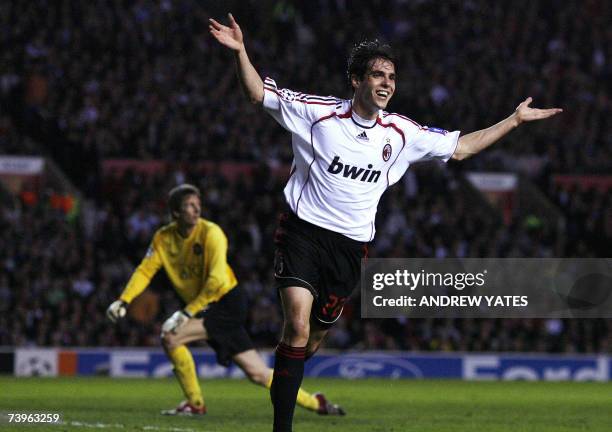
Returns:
(193, 252)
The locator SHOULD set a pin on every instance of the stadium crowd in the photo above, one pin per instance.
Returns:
(142, 79)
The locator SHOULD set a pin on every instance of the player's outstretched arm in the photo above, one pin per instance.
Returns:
(475, 142)
(231, 37)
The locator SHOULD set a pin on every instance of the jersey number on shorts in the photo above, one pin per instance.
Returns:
(333, 307)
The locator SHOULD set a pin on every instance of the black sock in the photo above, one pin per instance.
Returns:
(287, 379)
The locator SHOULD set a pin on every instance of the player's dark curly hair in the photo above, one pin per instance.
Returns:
(176, 195)
(363, 53)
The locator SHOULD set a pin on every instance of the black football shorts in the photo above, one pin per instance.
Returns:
(324, 262)
(224, 322)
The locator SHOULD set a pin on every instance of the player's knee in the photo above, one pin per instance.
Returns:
(259, 377)
(297, 328)
(169, 341)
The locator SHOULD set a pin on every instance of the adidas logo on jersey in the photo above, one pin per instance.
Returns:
(363, 136)
(353, 172)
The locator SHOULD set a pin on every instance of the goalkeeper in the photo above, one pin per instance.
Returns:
(193, 252)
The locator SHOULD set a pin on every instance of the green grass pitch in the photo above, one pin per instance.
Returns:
(105, 404)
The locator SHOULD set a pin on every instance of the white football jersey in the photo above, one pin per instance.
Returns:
(343, 164)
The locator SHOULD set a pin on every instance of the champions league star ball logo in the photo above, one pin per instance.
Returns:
(35, 366)
(287, 95)
(386, 153)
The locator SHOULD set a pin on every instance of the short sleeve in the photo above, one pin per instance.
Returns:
(438, 143)
(296, 111)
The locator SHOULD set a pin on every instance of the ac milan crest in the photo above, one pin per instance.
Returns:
(386, 154)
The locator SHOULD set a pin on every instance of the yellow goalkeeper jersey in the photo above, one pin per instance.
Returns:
(197, 266)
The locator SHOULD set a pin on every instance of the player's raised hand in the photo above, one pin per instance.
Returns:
(524, 113)
(230, 36)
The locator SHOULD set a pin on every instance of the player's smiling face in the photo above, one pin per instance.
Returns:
(189, 213)
(374, 91)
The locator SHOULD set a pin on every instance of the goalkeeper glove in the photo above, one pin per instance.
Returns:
(117, 310)
(176, 321)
